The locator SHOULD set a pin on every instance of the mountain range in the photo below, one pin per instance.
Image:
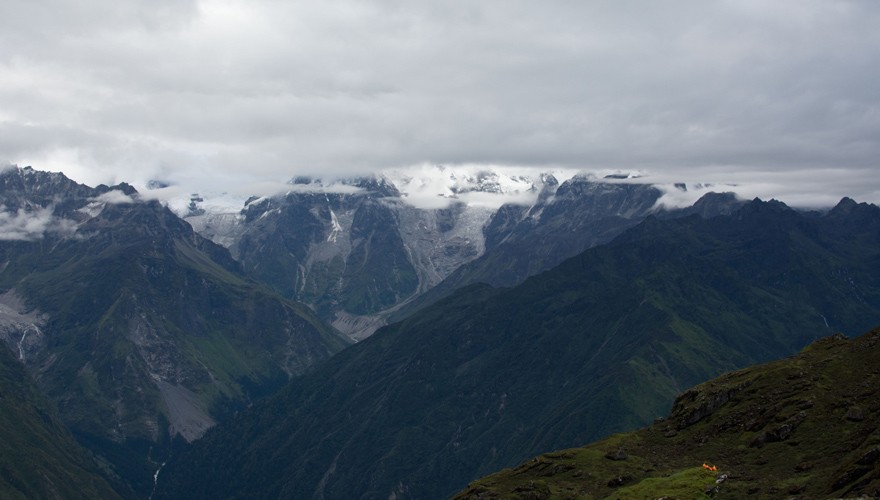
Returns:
(361, 254)
(582, 309)
(601, 343)
(354, 250)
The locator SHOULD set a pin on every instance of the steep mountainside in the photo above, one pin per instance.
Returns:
(38, 456)
(359, 253)
(351, 251)
(136, 327)
(599, 344)
(804, 426)
(567, 219)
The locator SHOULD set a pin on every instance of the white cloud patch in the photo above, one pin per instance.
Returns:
(680, 195)
(178, 198)
(797, 187)
(114, 197)
(32, 224)
(336, 187)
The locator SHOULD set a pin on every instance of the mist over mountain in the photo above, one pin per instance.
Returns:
(143, 334)
(599, 344)
(540, 209)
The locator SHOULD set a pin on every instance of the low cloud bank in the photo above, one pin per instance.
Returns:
(32, 224)
(114, 197)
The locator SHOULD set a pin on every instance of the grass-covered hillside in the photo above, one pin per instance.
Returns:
(38, 456)
(806, 426)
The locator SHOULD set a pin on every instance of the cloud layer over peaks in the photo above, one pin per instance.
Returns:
(235, 92)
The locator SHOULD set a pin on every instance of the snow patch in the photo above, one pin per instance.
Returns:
(31, 328)
(335, 227)
(93, 209)
(435, 186)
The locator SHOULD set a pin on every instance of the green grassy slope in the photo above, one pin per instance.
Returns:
(805, 426)
(38, 456)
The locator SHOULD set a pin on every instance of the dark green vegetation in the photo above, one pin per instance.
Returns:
(600, 344)
(139, 329)
(38, 456)
(804, 426)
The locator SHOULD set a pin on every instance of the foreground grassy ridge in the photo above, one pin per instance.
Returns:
(804, 426)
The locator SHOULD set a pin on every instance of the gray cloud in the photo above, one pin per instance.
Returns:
(776, 95)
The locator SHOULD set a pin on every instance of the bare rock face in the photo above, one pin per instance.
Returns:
(353, 254)
(187, 415)
(20, 328)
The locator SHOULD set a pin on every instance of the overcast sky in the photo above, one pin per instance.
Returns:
(782, 94)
